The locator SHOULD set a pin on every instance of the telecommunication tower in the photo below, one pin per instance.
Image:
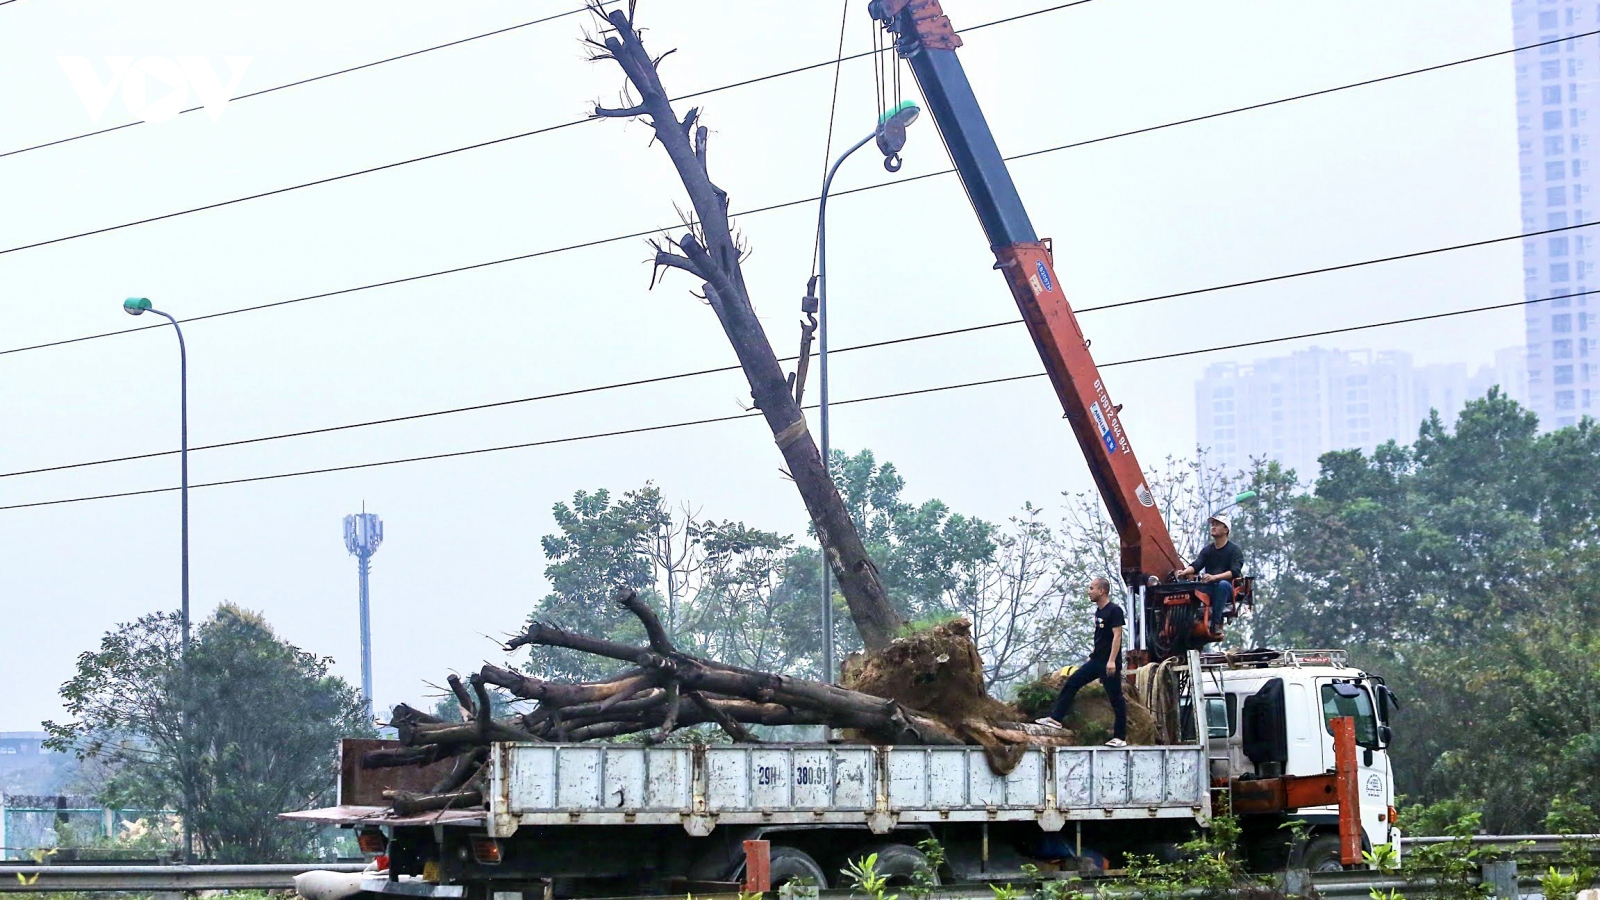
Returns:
(363, 533)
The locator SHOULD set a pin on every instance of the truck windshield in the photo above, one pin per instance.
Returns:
(1358, 707)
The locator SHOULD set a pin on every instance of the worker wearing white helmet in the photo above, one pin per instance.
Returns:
(1219, 564)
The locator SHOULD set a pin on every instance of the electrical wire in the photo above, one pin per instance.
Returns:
(776, 206)
(745, 415)
(443, 153)
(658, 379)
(291, 84)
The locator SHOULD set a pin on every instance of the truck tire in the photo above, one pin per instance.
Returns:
(791, 863)
(901, 863)
(1322, 854)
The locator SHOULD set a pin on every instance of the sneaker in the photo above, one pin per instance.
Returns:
(1047, 721)
(1116, 742)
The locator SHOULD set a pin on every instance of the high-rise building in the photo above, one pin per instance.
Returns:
(1557, 118)
(1295, 408)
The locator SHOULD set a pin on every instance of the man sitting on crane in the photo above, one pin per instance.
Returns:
(1219, 564)
(1104, 664)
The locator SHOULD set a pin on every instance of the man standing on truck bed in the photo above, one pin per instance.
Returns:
(1104, 663)
(1218, 564)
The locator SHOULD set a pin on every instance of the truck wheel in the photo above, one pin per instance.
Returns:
(1322, 854)
(900, 863)
(789, 864)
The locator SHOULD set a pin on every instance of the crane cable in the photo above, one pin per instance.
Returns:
(750, 414)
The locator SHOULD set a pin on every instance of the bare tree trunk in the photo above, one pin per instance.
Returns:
(710, 252)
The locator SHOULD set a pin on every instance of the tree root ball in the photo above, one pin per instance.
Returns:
(937, 671)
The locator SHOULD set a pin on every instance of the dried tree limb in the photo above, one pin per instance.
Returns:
(464, 699)
(467, 765)
(717, 263)
(409, 803)
(403, 756)
(628, 599)
(724, 721)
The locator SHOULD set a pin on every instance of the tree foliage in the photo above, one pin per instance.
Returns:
(753, 598)
(1460, 567)
(248, 728)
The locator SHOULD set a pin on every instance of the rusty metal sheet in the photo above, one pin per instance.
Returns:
(365, 787)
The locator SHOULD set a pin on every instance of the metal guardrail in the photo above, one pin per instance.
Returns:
(159, 878)
(1536, 843)
(87, 878)
(1328, 886)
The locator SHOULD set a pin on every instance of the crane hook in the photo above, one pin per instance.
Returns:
(891, 163)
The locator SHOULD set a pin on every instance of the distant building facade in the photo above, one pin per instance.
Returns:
(1295, 408)
(26, 766)
(21, 743)
(1557, 119)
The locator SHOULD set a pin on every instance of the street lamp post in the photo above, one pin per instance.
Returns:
(891, 137)
(135, 306)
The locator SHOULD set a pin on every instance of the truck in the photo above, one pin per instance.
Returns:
(1285, 736)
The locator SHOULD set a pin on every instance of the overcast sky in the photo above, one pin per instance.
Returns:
(1406, 165)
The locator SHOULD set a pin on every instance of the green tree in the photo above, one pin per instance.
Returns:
(248, 727)
(749, 596)
(1439, 541)
(603, 544)
(924, 551)
(1460, 567)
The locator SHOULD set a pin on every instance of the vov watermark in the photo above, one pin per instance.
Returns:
(178, 76)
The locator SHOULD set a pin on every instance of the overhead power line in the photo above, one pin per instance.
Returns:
(303, 81)
(408, 55)
(745, 415)
(559, 126)
(748, 212)
(657, 379)
(475, 146)
(638, 234)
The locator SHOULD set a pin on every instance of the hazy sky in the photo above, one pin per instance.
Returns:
(1411, 164)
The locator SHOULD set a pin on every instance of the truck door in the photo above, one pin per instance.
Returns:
(1349, 697)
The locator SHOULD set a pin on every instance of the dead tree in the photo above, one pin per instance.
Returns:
(708, 251)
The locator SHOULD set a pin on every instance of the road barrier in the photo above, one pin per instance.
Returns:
(43, 878)
(86, 878)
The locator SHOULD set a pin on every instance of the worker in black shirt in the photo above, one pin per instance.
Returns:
(1104, 663)
(1218, 564)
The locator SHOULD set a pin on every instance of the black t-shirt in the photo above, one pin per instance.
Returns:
(1214, 560)
(1106, 618)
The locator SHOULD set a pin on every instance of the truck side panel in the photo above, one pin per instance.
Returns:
(880, 787)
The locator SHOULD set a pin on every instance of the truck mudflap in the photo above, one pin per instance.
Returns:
(700, 787)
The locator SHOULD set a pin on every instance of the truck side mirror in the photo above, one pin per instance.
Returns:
(1387, 697)
(1385, 735)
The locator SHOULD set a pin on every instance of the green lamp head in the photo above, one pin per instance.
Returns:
(892, 132)
(902, 115)
(1244, 497)
(134, 306)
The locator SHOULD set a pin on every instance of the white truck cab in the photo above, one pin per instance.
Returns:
(1270, 715)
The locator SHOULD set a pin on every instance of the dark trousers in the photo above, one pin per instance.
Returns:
(1221, 595)
(1089, 671)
